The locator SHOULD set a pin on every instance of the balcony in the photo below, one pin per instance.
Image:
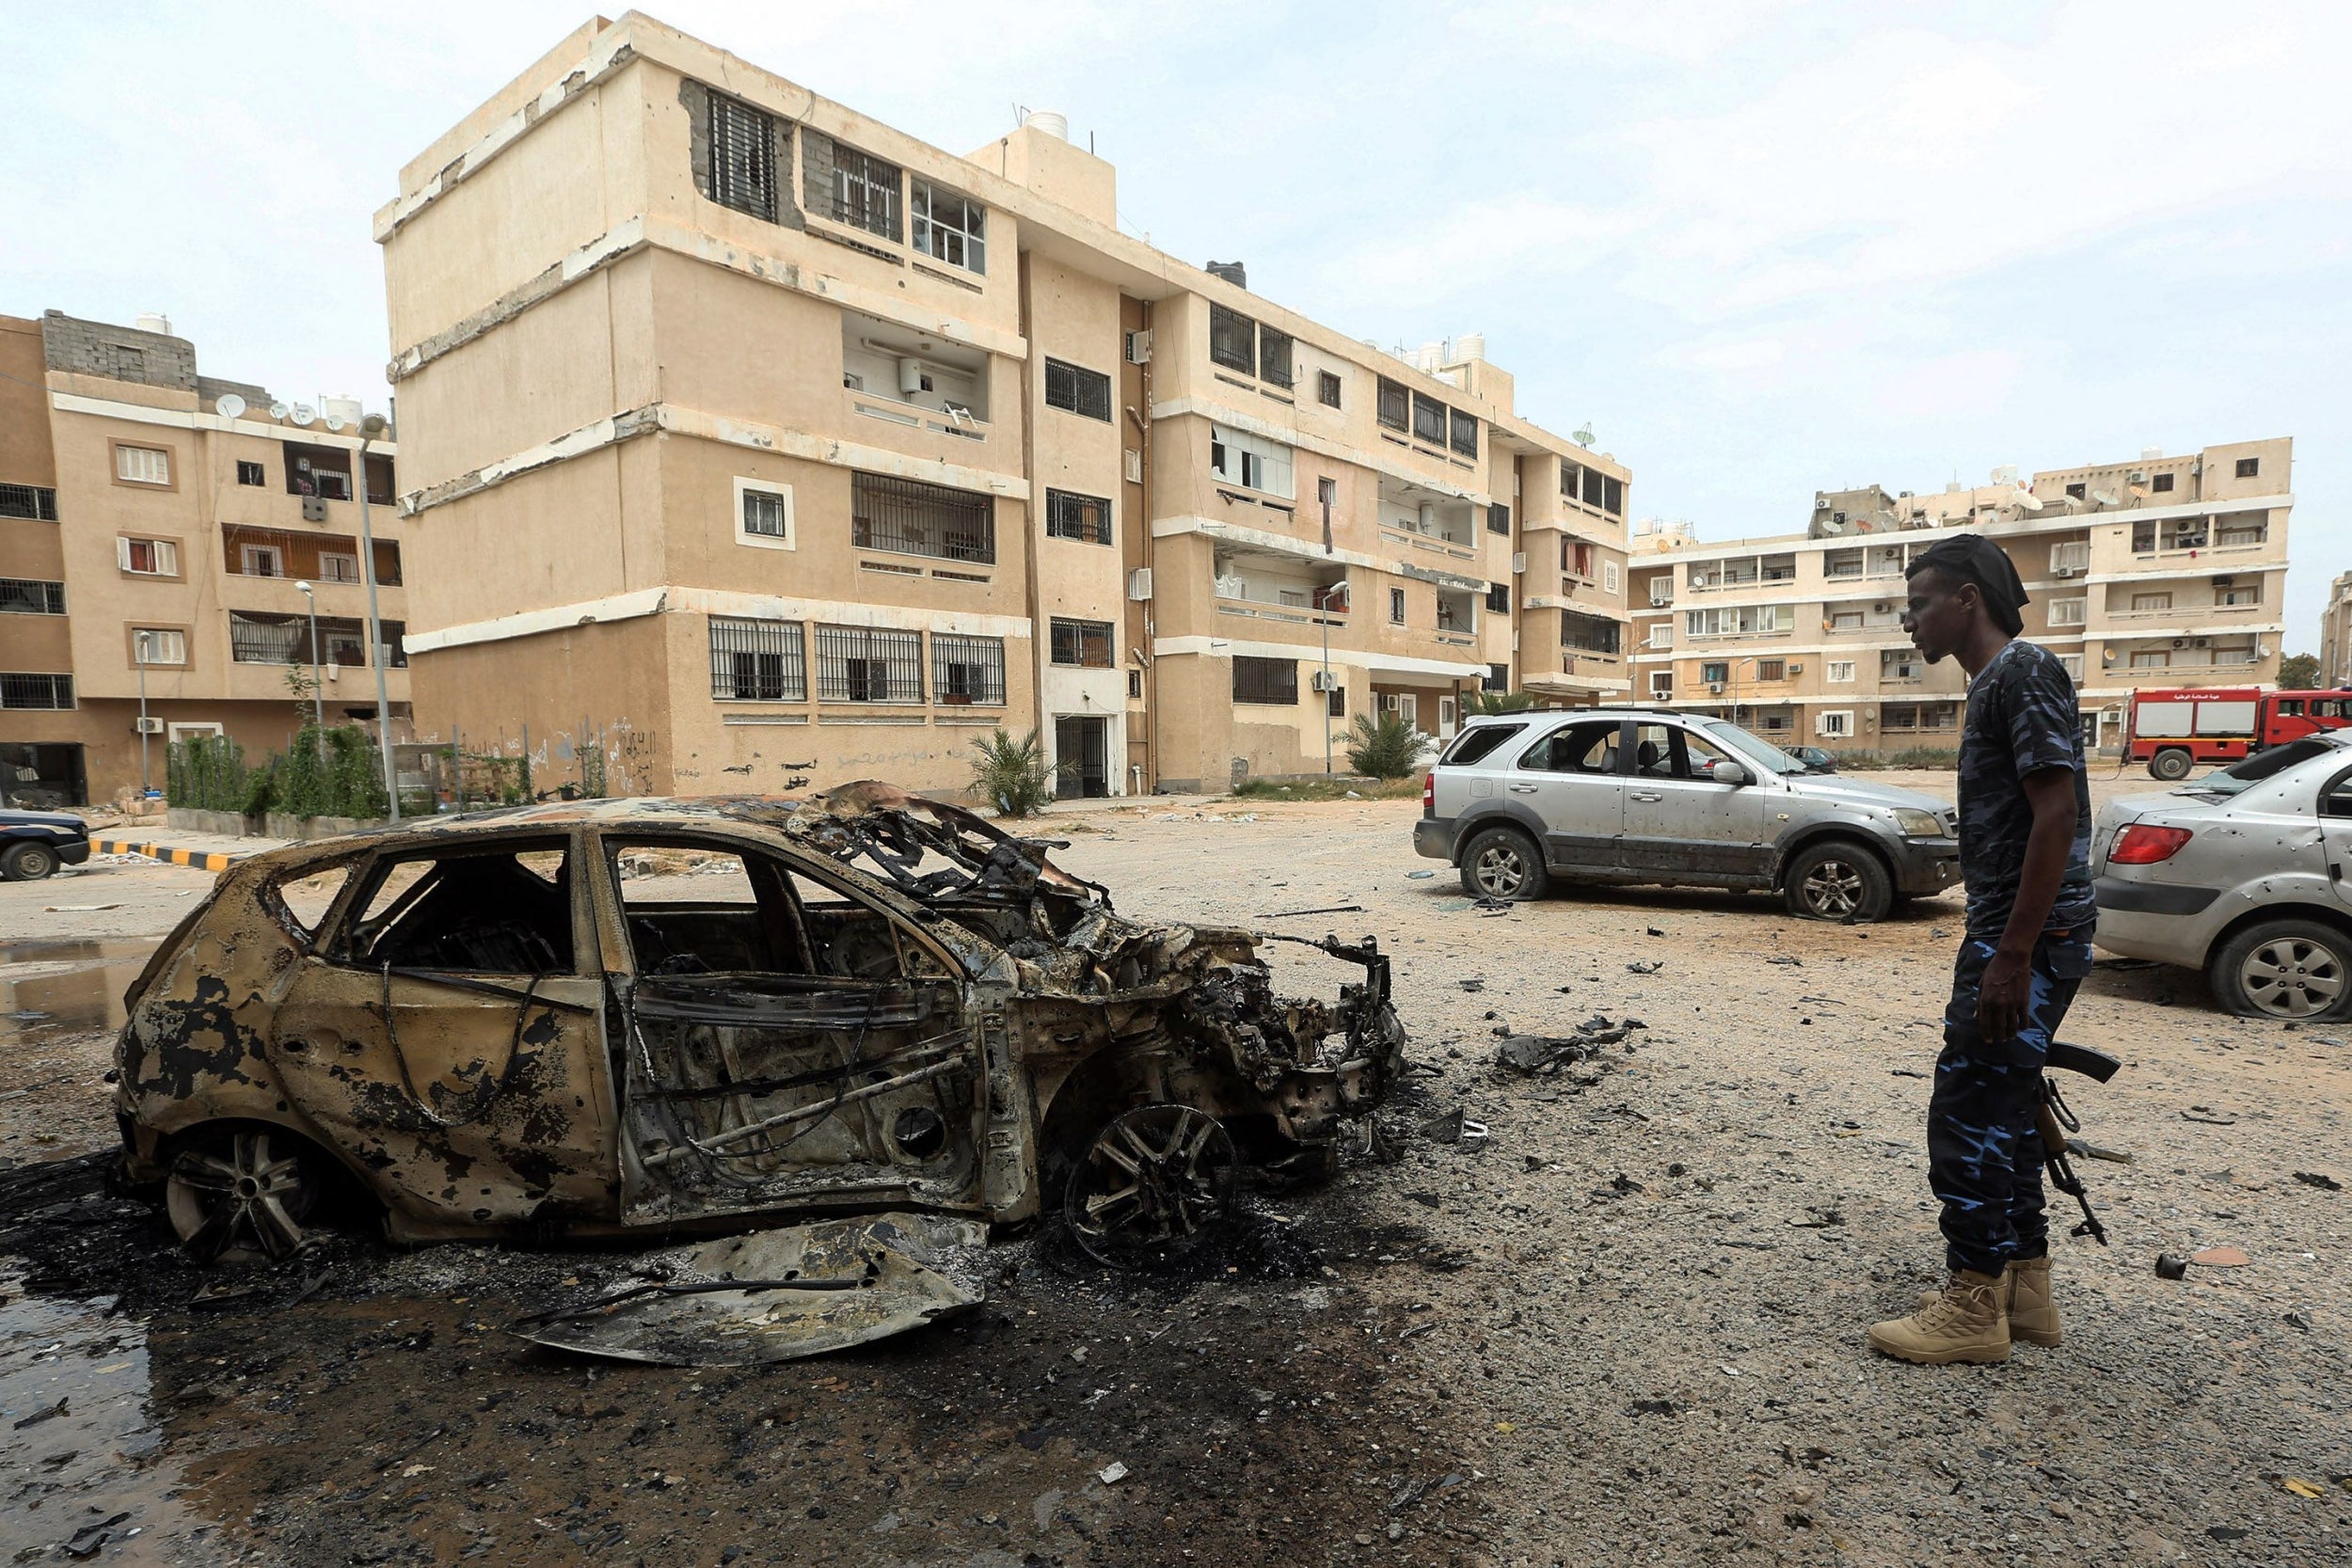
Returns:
(897, 375)
(1259, 585)
(1419, 518)
(255, 638)
(2234, 535)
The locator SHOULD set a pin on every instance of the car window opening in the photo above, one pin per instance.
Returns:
(505, 912)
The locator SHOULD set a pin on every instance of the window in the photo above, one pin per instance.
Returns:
(158, 646)
(1588, 748)
(1901, 664)
(142, 465)
(1609, 579)
(251, 473)
(38, 502)
(2237, 530)
(763, 515)
(968, 670)
(2152, 658)
(909, 518)
(262, 561)
(2139, 602)
(1077, 390)
(1576, 559)
(2079, 491)
(1429, 420)
(1613, 496)
(1841, 671)
(2070, 612)
(1270, 681)
(948, 228)
(1498, 518)
(1845, 620)
(1070, 515)
(1465, 433)
(1327, 388)
(150, 557)
(31, 596)
(1741, 620)
(335, 566)
(1900, 716)
(1661, 683)
(1661, 634)
(865, 664)
(1588, 634)
(2073, 664)
(1835, 725)
(1662, 590)
(1499, 598)
(1397, 404)
(37, 691)
(1595, 487)
(865, 191)
(2072, 556)
(2238, 593)
(1335, 702)
(2161, 484)
(1084, 644)
(1252, 462)
(1715, 672)
(1232, 340)
(1498, 678)
(2232, 653)
(1134, 686)
(758, 661)
(1397, 606)
(2247, 467)
(1939, 715)
(742, 156)
(1772, 670)
(1274, 356)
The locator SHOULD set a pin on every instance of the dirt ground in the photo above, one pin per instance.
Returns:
(1624, 1326)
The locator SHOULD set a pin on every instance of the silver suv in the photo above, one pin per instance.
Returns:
(1650, 794)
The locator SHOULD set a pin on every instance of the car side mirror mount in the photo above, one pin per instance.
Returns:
(1729, 772)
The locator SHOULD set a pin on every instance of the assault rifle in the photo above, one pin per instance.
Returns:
(2058, 1119)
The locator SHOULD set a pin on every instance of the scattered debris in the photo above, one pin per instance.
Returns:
(1907, 1073)
(1491, 906)
(1419, 875)
(2221, 1257)
(2171, 1265)
(2089, 1150)
(1328, 908)
(1473, 985)
(1113, 1473)
(2314, 1179)
(1790, 959)
(1646, 966)
(1454, 1127)
(2209, 1121)
(2302, 1488)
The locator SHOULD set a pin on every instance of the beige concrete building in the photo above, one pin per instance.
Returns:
(2335, 634)
(2163, 571)
(746, 438)
(154, 526)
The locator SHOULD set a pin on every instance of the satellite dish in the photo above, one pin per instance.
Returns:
(304, 413)
(229, 405)
(278, 410)
(1583, 437)
(335, 423)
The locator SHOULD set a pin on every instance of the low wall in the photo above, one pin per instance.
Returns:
(229, 824)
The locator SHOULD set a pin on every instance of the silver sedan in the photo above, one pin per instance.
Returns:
(2245, 873)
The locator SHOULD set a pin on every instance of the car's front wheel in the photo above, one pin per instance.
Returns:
(2298, 970)
(1504, 862)
(1838, 880)
(242, 1194)
(27, 863)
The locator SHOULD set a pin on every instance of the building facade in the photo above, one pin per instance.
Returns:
(154, 524)
(2165, 571)
(2335, 634)
(747, 440)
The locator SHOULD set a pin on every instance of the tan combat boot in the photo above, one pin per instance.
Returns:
(1967, 1322)
(2025, 1292)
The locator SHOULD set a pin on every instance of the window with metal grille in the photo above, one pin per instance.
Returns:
(1271, 681)
(1327, 388)
(1465, 433)
(758, 661)
(1499, 598)
(1396, 404)
(864, 192)
(1232, 340)
(1396, 606)
(1498, 677)
(1077, 390)
(1274, 356)
(864, 664)
(31, 690)
(38, 502)
(2247, 467)
(1070, 515)
(968, 670)
(2161, 483)
(31, 596)
(909, 518)
(947, 227)
(1498, 518)
(1772, 670)
(1588, 634)
(1085, 643)
(251, 473)
(1429, 420)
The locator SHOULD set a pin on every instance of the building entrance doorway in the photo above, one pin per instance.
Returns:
(37, 778)
(1082, 768)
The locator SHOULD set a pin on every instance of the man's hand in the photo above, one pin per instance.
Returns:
(2003, 996)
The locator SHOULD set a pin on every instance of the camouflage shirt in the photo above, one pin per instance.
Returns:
(2021, 719)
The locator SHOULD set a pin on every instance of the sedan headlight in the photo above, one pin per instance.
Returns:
(1919, 824)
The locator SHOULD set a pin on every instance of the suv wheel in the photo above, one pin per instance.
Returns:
(27, 863)
(2171, 764)
(241, 1194)
(2291, 969)
(1838, 880)
(1504, 862)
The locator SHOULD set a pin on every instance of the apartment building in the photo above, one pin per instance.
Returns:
(2158, 572)
(747, 439)
(2335, 634)
(154, 526)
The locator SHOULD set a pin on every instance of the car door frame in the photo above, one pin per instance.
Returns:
(1709, 833)
(1548, 793)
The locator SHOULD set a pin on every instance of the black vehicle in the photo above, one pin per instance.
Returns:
(33, 843)
(1815, 759)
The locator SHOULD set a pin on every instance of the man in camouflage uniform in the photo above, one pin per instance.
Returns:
(2025, 854)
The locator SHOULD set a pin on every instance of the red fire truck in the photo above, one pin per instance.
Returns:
(2174, 731)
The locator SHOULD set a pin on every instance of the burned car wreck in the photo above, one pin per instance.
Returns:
(669, 1017)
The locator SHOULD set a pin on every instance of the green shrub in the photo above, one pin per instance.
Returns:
(1501, 701)
(205, 773)
(1384, 747)
(1010, 774)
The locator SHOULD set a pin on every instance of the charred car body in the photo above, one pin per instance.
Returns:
(498, 1024)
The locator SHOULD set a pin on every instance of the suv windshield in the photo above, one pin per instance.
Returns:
(2254, 769)
(1762, 752)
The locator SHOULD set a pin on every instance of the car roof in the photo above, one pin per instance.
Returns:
(1580, 714)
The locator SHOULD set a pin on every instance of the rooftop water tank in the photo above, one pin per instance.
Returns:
(154, 321)
(1053, 123)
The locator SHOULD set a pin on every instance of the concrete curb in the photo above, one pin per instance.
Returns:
(196, 860)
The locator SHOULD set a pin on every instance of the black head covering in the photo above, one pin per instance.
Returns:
(1973, 557)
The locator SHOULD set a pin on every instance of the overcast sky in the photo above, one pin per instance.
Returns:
(1764, 247)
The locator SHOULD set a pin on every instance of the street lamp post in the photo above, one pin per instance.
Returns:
(369, 427)
(138, 656)
(318, 692)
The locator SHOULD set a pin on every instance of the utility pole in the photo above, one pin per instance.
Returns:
(318, 693)
(1323, 489)
(138, 656)
(374, 426)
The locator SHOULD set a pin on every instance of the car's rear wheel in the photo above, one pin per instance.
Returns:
(1504, 862)
(2298, 970)
(1838, 880)
(27, 863)
(242, 1194)
(2170, 765)
(1155, 1183)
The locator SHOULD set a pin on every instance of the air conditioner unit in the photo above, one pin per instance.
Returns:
(314, 509)
(147, 726)
(1698, 580)
(1323, 680)
(2138, 476)
(2065, 570)
(2180, 642)
(2204, 643)
(1518, 562)
(1135, 467)
(334, 671)
(1138, 348)
(1140, 584)
(1716, 686)
(1881, 608)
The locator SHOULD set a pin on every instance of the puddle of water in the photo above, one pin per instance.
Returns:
(96, 1467)
(64, 988)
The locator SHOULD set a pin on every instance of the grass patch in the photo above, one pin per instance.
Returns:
(1330, 789)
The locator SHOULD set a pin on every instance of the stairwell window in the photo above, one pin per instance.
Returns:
(2070, 612)
(1070, 515)
(166, 645)
(32, 690)
(31, 596)
(251, 473)
(1076, 389)
(850, 186)
(1397, 606)
(1327, 388)
(1841, 671)
(1085, 644)
(947, 227)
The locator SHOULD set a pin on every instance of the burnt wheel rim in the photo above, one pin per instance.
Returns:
(2292, 977)
(1832, 890)
(1500, 870)
(1155, 1183)
(237, 1199)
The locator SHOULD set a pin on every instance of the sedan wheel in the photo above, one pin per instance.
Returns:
(1155, 1183)
(2292, 974)
(241, 1196)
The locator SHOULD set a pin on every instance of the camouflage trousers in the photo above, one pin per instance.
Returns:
(1984, 1157)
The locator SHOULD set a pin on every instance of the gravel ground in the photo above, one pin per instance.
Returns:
(1626, 1324)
